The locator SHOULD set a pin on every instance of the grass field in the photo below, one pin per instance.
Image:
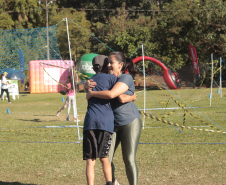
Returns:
(166, 154)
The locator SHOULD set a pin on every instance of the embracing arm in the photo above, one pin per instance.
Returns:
(118, 89)
(123, 98)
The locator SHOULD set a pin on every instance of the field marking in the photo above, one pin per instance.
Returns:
(170, 108)
(139, 143)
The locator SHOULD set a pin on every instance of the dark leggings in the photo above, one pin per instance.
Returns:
(7, 92)
(129, 136)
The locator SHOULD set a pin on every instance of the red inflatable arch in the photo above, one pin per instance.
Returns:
(169, 75)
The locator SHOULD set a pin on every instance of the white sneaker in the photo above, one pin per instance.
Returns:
(116, 183)
(58, 113)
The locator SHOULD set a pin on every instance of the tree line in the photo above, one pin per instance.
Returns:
(165, 27)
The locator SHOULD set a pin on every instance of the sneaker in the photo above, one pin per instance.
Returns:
(115, 183)
(58, 113)
(67, 119)
(10, 102)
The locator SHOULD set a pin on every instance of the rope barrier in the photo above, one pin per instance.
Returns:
(184, 118)
(176, 124)
(194, 115)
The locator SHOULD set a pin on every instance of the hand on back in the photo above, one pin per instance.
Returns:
(90, 84)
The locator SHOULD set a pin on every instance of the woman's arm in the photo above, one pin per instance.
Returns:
(5, 83)
(118, 89)
(123, 98)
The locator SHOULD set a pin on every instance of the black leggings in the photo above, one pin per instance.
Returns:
(7, 92)
(129, 136)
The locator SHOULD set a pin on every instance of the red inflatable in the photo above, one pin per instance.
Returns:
(169, 75)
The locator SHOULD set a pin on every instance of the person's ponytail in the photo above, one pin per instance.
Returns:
(129, 67)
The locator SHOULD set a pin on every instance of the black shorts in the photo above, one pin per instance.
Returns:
(96, 144)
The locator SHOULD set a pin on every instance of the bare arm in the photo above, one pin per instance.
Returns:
(5, 83)
(118, 89)
(123, 98)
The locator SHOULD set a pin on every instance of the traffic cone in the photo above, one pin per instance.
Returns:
(63, 99)
(8, 111)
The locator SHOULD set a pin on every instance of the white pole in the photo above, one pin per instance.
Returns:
(144, 84)
(220, 88)
(73, 80)
(211, 80)
(47, 29)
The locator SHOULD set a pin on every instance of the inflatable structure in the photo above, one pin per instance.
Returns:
(169, 75)
(85, 66)
(44, 75)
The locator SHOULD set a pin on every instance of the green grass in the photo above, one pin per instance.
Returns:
(31, 156)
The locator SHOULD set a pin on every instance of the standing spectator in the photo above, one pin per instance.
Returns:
(4, 87)
(70, 101)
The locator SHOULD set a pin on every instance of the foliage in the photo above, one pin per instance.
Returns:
(121, 33)
(211, 29)
(21, 14)
(175, 30)
(79, 39)
(5, 21)
(106, 8)
(166, 27)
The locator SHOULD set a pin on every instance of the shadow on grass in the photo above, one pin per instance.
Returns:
(140, 88)
(34, 120)
(13, 183)
(25, 92)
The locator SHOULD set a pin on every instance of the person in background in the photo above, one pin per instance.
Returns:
(4, 87)
(70, 101)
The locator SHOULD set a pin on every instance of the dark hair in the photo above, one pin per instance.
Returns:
(69, 77)
(128, 64)
(97, 68)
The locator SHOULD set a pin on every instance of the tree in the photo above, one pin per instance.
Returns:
(200, 23)
(5, 21)
(79, 39)
(20, 14)
(121, 33)
(106, 8)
